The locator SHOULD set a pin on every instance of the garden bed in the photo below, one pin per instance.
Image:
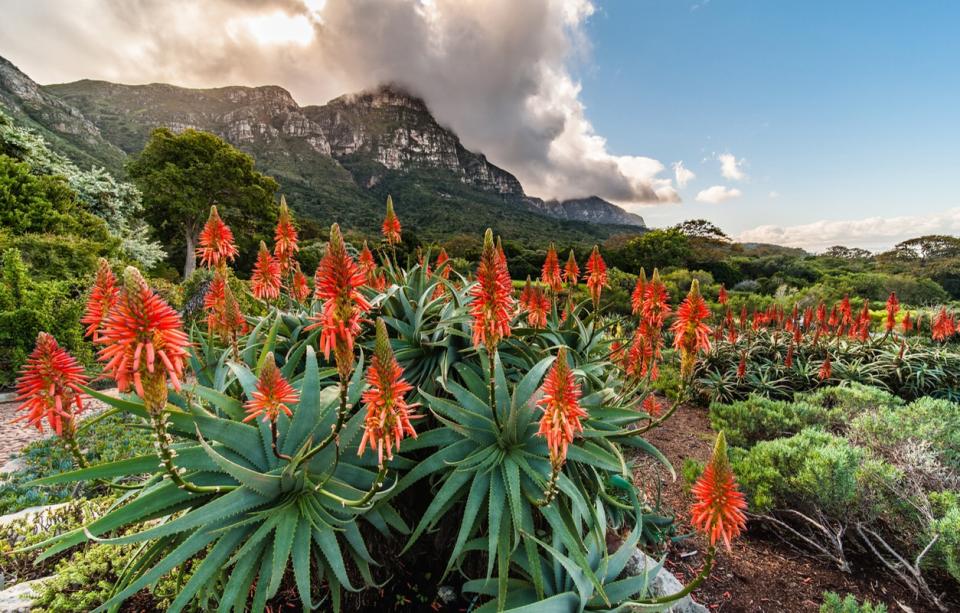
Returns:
(761, 574)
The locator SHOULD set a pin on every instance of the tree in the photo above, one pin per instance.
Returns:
(183, 175)
(928, 248)
(847, 253)
(654, 249)
(701, 228)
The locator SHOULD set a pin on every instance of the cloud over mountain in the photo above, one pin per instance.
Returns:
(496, 71)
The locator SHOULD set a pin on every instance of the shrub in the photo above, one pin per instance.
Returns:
(946, 525)
(757, 418)
(850, 399)
(832, 603)
(933, 421)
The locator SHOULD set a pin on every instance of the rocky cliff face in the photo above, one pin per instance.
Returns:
(358, 142)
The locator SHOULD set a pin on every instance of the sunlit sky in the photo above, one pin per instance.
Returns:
(806, 123)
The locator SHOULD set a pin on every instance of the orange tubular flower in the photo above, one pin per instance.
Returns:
(907, 324)
(49, 386)
(537, 308)
(103, 296)
(639, 293)
(525, 295)
(691, 334)
(285, 245)
(391, 225)
(272, 395)
(742, 367)
(493, 302)
(893, 307)
(722, 296)
(216, 241)
(265, 281)
(652, 406)
(596, 275)
(300, 288)
(826, 369)
(550, 274)
(224, 316)
(571, 272)
(560, 404)
(719, 510)
(143, 342)
(388, 414)
(943, 325)
(337, 282)
(656, 301)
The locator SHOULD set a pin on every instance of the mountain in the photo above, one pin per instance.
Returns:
(335, 162)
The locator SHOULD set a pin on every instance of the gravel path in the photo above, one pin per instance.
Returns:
(16, 436)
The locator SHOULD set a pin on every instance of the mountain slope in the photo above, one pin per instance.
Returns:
(335, 162)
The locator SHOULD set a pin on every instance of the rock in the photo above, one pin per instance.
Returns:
(663, 584)
(19, 598)
(30, 512)
(14, 465)
(446, 594)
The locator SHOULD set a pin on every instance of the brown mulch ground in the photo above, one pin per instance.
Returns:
(761, 574)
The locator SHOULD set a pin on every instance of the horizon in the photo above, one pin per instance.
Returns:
(806, 146)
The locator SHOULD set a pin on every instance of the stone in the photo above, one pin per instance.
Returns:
(446, 594)
(664, 584)
(14, 465)
(30, 512)
(19, 598)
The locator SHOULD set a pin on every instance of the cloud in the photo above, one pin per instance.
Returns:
(718, 194)
(871, 233)
(774, 194)
(496, 71)
(731, 168)
(683, 174)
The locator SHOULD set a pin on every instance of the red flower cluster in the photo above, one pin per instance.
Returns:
(639, 293)
(224, 316)
(562, 413)
(216, 241)
(285, 245)
(391, 225)
(571, 272)
(300, 287)
(143, 342)
(337, 282)
(691, 333)
(388, 414)
(596, 275)
(646, 347)
(103, 296)
(272, 395)
(265, 281)
(550, 274)
(893, 307)
(368, 266)
(826, 369)
(718, 512)
(49, 386)
(493, 303)
(944, 325)
(722, 297)
(538, 305)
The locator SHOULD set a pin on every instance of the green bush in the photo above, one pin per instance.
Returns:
(832, 603)
(946, 552)
(851, 399)
(810, 469)
(28, 307)
(758, 418)
(933, 421)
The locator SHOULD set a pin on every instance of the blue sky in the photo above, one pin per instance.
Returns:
(843, 110)
(838, 122)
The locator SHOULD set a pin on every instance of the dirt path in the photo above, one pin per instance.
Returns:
(761, 574)
(16, 436)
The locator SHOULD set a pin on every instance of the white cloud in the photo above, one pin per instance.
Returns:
(683, 174)
(874, 233)
(718, 194)
(731, 168)
(774, 194)
(496, 71)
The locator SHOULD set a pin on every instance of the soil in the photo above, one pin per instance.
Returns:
(761, 573)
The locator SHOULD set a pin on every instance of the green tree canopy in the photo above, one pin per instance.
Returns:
(654, 249)
(183, 175)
